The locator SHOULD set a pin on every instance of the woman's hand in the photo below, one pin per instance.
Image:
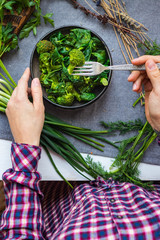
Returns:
(26, 119)
(151, 81)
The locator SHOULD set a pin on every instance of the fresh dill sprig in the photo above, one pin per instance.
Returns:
(152, 49)
(97, 167)
(123, 127)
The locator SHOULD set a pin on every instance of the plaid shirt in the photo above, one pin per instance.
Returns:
(97, 210)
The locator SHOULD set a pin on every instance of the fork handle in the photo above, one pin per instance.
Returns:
(130, 67)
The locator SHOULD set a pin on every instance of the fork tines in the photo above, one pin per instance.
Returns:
(82, 70)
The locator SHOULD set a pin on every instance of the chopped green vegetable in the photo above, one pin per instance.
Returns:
(87, 96)
(66, 99)
(45, 46)
(59, 55)
(76, 58)
(9, 40)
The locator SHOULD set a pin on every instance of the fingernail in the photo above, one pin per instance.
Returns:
(151, 64)
(36, 82)
(134, 86)
(134, 60)
(130, 76)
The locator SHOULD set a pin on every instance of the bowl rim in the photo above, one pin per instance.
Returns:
(46, 35)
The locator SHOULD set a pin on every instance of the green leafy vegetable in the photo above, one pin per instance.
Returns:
(47, 18)
(151, 49)
(30, 25)
(34, 22)
(65, 52)
(8, 40)
(123, 127)
(130, 151)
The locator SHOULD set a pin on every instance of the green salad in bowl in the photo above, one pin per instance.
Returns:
(54, 59)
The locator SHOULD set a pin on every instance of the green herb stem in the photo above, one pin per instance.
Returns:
(62, 124)
(4, 100)
(66, 155)
(151, 139)
(53, 135)
(53, 164)
(4, 89)
(4, 50)
(3, 105)
(91, 140)
(7, 86)
(11, 85)
(105, 140)
(2, 109)
(75, 159)
(3, 94)
(84, 131)
(139, 135)
(84, 140)
(7, 73)
(135, 103)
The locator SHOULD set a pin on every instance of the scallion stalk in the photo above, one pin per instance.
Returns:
(2, 109)
(3, 94)
(4, 100)
(7, 86)
(7, 73)
(53, 164)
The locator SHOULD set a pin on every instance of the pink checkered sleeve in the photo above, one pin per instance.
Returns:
(23, 217)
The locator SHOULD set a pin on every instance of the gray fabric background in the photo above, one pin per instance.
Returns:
(116, 103)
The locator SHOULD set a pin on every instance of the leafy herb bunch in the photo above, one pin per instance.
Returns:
(8, 39)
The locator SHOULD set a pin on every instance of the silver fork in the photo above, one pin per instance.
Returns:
(95, 68)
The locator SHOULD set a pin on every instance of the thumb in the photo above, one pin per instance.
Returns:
(153, 73)
(36, 91)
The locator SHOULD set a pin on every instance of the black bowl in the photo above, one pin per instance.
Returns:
(34, 66)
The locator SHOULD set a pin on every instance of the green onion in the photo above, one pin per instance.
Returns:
(2, 109)
(53, 164)
(4, 95)
(137, 101)
(6, 86)
(4, 100)
(52, 138)
(7, 73)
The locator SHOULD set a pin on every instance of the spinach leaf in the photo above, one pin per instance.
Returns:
(100, 56)
(82, 37)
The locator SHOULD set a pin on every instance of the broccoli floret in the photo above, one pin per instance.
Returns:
(44, 62)
(70, 89)
(45, 81)
(54, 83)
(77, 58)
(45, 46)
(58, 89)
(65, 100)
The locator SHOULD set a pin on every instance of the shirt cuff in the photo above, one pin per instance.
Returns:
(25, 157)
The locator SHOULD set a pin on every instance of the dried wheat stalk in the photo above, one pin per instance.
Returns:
(132, 33)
